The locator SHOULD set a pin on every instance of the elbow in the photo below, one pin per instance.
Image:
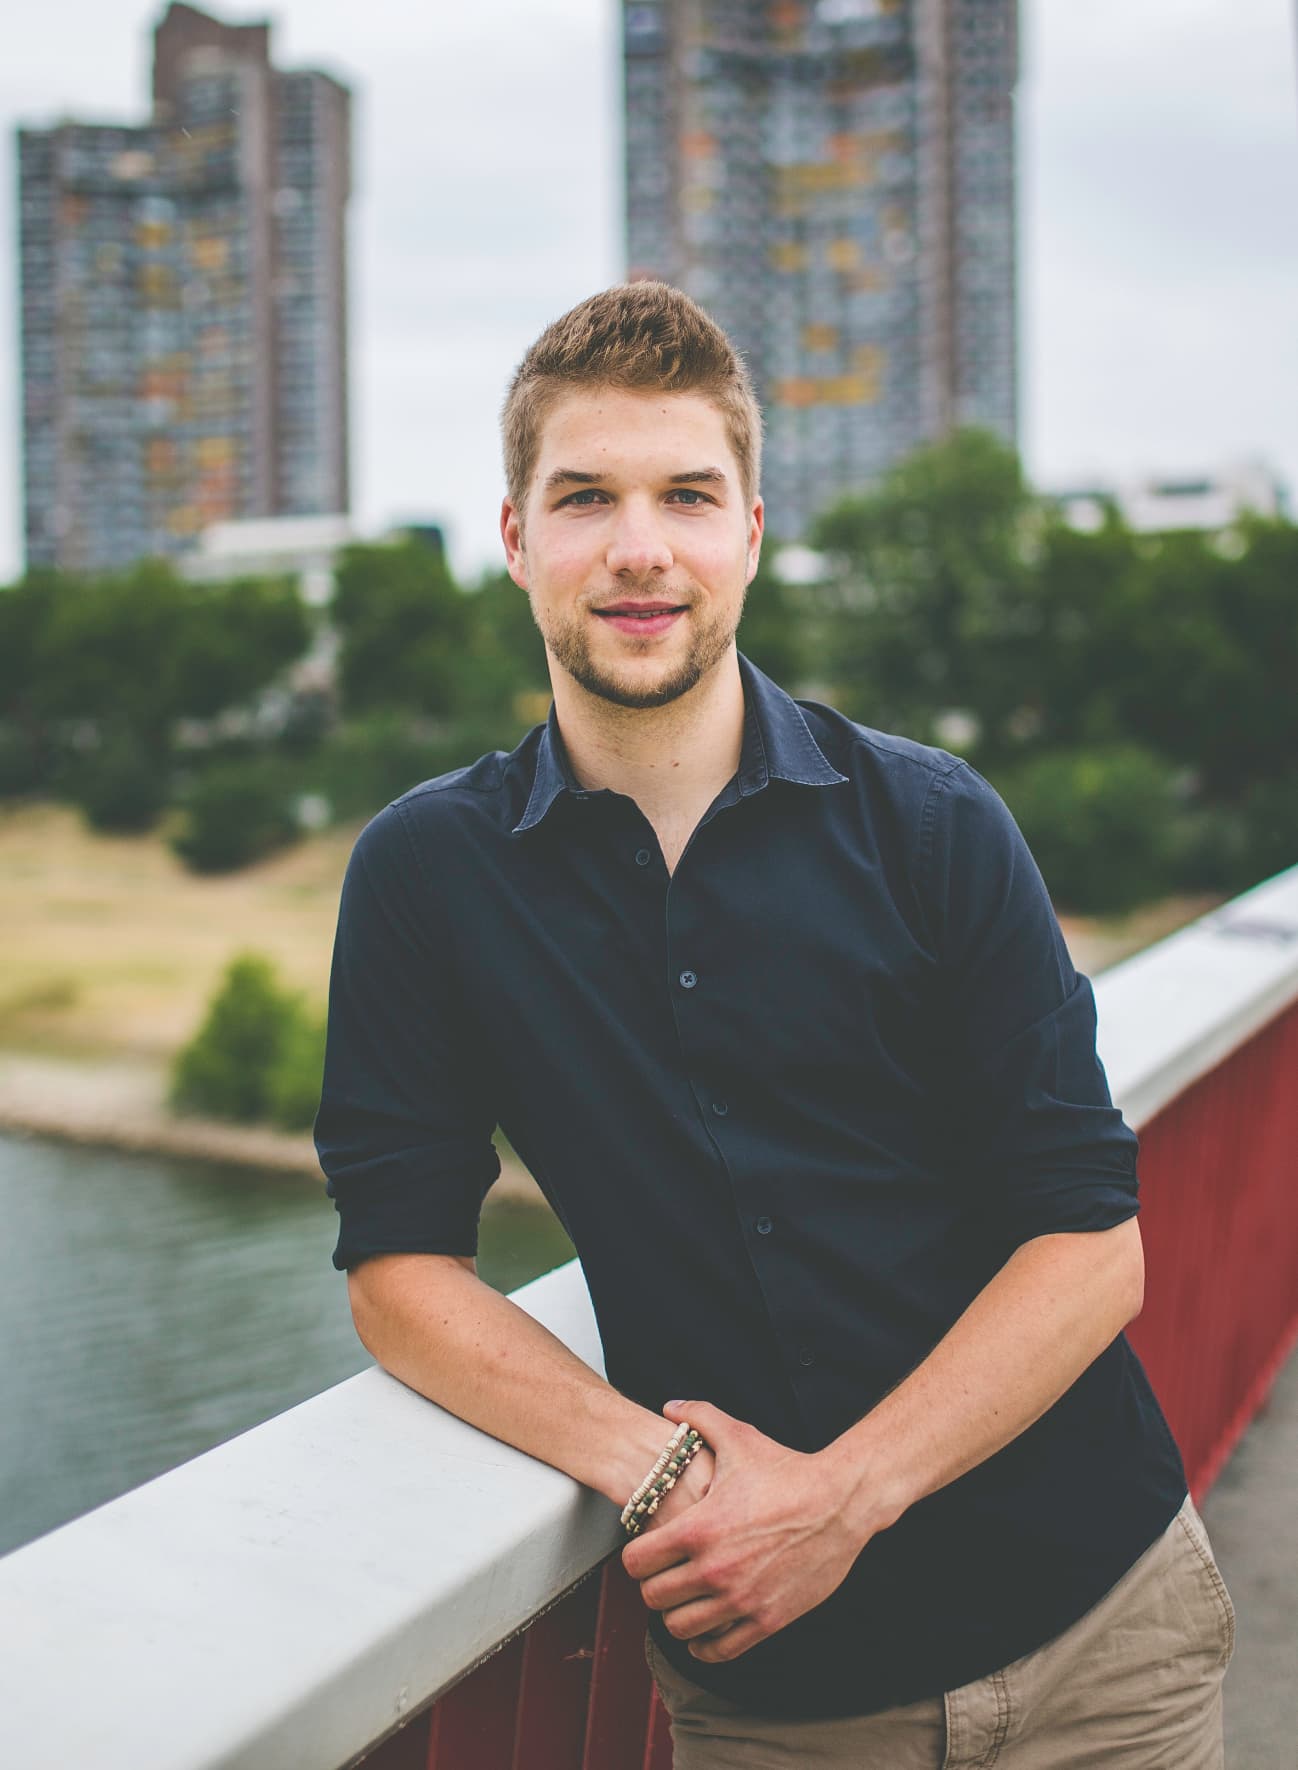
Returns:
(383, 1289)
(1133, 1273)
(358, 1298)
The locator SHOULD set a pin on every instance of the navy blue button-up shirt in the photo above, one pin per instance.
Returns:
(795, 1104)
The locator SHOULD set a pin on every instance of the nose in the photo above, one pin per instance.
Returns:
(637, 544)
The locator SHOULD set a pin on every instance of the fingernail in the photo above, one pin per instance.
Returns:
(676, 1404)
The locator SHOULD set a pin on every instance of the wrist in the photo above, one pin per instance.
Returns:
(629, 1452)
(869, 1492)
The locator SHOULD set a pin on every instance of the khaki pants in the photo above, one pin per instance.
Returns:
(1134, 1685)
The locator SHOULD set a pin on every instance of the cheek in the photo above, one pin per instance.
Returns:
(562, 564)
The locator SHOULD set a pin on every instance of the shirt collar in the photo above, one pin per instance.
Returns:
(777, 745)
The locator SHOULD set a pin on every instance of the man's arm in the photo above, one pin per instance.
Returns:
(779, 1530)
(430, 1321)
(404, 1133)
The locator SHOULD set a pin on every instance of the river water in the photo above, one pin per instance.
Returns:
(152, 1308)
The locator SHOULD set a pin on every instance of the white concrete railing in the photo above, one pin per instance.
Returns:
(281, 1602)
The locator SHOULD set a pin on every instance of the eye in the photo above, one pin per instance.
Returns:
(584, 498)
(691, 496)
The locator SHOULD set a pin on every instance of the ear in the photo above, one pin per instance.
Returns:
(511, 533)
(756, 528)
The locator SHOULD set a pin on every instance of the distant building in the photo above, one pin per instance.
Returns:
(835, 181)
(184, 308)
(300, 547)
(1154, 505)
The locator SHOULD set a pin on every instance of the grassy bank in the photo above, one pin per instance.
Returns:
(109, 949)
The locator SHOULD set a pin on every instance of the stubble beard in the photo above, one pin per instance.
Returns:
(567, 639)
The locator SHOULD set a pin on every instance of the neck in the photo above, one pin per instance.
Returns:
(668, 759)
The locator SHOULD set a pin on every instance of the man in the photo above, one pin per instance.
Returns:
(776, 1010)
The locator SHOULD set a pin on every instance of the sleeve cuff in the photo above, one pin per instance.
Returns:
(390, 1209)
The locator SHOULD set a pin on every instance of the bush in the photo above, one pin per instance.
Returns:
(19, 768)
(293, 1089)
(1270, 818)
(258, 1054)
(233, 816)
(122, 788)
(1101, 824)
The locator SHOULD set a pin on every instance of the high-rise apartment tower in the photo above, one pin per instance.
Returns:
(184, 306)
(834, 181)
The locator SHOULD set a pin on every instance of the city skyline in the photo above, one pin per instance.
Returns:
(183, 305)
(835, 183)
(1160, 247)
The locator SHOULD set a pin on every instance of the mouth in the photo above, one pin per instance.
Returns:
(641, 618)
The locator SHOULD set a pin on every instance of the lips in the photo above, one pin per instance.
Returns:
(643, 619)
(640, 610)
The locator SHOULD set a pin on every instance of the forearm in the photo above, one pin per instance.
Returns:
(1028, 1335)
(430, 1321)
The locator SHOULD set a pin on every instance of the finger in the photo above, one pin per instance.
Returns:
(716, 1649)
(654, 1551)
(706, 1617)
(679, 1585)
(716, 1427)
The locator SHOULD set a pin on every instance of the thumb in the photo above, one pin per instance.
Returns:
(715, 1427)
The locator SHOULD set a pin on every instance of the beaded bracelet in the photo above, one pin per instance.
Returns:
(656, 1489)
(665, 1461)
(684, 1446)
(673, 1443)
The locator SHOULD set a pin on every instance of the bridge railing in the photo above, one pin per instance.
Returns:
(365, 1578)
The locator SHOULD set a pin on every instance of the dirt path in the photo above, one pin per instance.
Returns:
(123, 1105)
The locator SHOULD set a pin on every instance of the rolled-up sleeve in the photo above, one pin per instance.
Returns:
(1034, 1121)
(405, 1120)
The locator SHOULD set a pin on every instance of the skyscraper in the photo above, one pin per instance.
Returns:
(183, 301)
(834, 181)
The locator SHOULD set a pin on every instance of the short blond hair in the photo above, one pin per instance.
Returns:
(637, 337)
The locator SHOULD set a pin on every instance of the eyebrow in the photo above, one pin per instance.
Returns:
(573, 476)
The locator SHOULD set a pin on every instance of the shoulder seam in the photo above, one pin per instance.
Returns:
(939, 769)
(413, 846)
(928, 824)
(445, 786)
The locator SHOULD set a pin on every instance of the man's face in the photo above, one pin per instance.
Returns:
(637, 545)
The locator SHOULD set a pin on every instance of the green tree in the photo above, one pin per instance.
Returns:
(404, 626)
(135, 652)
(505, 656)
(773, 633)
(934, 588)
(226, 1068)
(259, 1053)
(26, 612)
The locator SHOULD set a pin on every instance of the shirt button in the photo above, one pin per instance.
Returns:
(720, 1108)
(688, 980)
(642, 857)
(806, 1358)
(764, 1226)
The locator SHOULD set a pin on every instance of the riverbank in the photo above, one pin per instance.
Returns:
(123, 1105)
(110, 952)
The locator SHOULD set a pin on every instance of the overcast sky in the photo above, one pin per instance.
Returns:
(1159, 223)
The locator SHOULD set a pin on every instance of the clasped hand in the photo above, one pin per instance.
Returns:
(767, 1542)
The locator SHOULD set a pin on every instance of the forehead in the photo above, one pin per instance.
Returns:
(614, 431)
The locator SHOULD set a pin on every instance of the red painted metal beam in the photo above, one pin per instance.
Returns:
(619, 1735)
(473, 1725)
(554, 1685)
(1219, 1219)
